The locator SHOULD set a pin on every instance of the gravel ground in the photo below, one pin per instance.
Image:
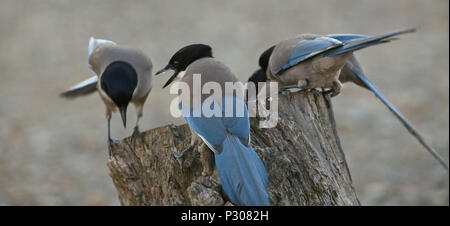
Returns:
(53, 151)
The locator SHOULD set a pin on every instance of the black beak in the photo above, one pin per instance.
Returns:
(171, 78)
(123, 114)
(163, 70)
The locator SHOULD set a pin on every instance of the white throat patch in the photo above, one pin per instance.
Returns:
(181, 74)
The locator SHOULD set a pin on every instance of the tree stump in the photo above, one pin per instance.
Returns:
(302, 155)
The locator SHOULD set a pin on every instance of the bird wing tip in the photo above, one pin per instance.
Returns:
(67, 94)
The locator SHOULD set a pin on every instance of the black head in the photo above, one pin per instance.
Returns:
(118, 81)
(264, 58)
(258, 76)
(184, 57)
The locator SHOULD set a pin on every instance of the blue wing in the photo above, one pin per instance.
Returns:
(309, 48)
(360, 43)
(335, 44)
(210, 129)
(238, 124)
(243, 175)
(346, 37)
(213, 130)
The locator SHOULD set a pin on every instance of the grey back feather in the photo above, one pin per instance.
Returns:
(211, 70)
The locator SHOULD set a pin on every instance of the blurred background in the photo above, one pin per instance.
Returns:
(53, 151)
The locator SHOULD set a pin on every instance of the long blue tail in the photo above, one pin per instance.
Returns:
(243, 176)
(360, 43)
(399, 115)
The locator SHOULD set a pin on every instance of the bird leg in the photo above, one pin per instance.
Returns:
(285, 91)
(137, 133)
(283, 88)
(300, 85)
(111, 142)
(335, 89)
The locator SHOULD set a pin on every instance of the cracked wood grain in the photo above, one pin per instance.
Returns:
(302, 154)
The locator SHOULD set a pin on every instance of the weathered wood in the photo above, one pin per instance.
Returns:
(302, 155)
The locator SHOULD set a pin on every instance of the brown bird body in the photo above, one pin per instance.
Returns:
(315, 72)
(315, 61)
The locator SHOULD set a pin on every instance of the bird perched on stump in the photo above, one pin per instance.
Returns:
(123, 76)
(243, 175)
(315, 61)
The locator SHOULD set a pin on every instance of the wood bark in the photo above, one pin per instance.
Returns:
(302, 154)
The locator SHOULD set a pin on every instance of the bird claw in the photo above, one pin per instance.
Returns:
(326, 92)
(287, 93)
(334, 93)
(285, 90)
(335, 90)
(111, 144)
(179, 156)
(135, 135)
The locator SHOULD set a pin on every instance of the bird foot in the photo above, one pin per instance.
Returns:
(301, 84)
(111, 144)
(135, 135)
(179, 156)
(285, 91)
(326, 92)
(283, 88)
(335, 90)
(288, 94)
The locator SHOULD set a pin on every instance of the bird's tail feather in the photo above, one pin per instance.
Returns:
(85, 87)
(243, 176)
(400, 116)
(366, 42)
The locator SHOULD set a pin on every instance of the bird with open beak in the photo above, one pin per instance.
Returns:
(242, 173)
